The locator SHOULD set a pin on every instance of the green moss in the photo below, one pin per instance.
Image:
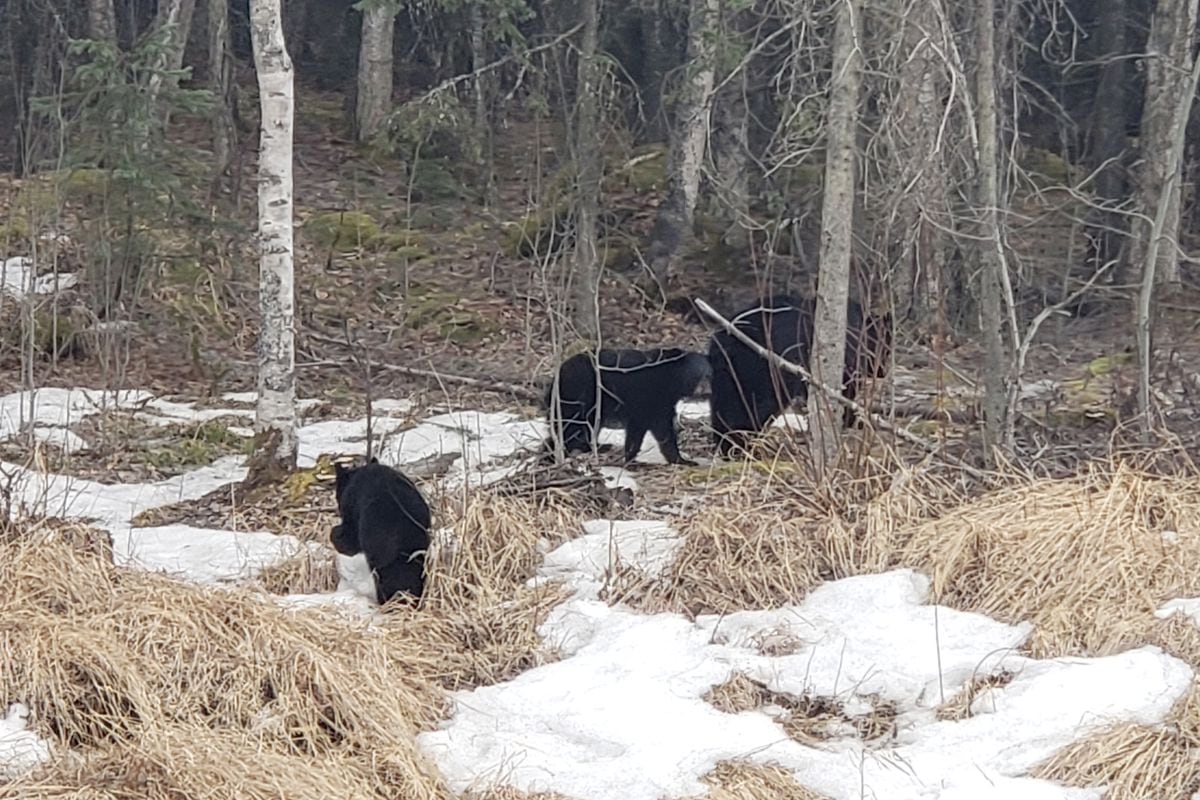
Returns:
(432, 309)
(404, 243)
(434, 180)
(85, 185)
(15, 229)
(1106, 364)
(1046, 168)
(198, 446)
(536, 233)
(342, 230)
(646, 170)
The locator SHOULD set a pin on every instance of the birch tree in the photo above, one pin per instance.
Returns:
(827, 360)
(995, 401)
(375, 58)
(275, 415)
(102, 21)
(1169, 60)
(586, 271)
(685, 159)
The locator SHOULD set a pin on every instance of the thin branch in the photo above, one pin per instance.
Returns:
(834, 395)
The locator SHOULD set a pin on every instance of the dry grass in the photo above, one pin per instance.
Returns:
(1086, 560)
(736, 780)
(153, 688)
(164, 690)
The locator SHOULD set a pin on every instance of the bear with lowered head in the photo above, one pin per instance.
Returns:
(385, 518)
(632, 389)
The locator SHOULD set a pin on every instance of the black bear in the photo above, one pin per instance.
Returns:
(748, 391)
(638, 391)
(385, 518)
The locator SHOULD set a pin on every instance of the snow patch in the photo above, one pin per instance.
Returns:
(20, 748)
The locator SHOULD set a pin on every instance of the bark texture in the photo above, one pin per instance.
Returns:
(837, 215)
(995, 400)
(374, 71)
(276, 411)
(586, 268)
(685, 159)
(102, 21)
(1157, 237)
(220, 78)
(1169, 60)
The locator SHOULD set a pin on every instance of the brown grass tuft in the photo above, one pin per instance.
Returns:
(738, 780)
(1136, 761)
(154, 688)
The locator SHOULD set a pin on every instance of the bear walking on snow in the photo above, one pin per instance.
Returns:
(384, 517)
(633, 389)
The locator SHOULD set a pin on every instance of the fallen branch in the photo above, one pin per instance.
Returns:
(832, 394)
(494, 385)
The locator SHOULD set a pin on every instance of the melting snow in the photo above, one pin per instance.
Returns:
(20, 749)
(622, 714)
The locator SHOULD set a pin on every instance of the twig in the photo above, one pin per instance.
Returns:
(836, 396)
(492, 384)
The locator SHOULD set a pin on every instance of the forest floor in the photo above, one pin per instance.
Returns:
(1070, 556)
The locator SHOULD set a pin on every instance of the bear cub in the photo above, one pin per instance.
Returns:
(638, 391)
(384, 517)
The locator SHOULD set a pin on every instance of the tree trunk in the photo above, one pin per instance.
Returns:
(730, 150)
(686, 157)
(991, 255)
(374, 71)
(483, 84)
(586, 272)
(1156, 236)
(102, 21)
(918, 113)
(178, 13)
(1109, 121)
(275, 417)
(220, 78)
(1169, 60)
(827, 361)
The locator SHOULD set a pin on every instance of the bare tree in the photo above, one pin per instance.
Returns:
(374, 98)
(1157, 236)
(586, 272)
(728, 146)
(1110, 112)
(1172, 34)
(991, 299)
(483, 83)
(275, 417)
(102, 21)
(915, 126)
(178, 15)
(220, 80)
(685, 160)
(837, 214)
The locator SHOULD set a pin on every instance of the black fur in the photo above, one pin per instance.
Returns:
(384, 517)
(639, 391)
(748, 391)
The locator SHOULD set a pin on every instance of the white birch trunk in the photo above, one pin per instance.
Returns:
(1172, 33)
(102, 21)
(276, 410)
(375, 71)
(826, 363)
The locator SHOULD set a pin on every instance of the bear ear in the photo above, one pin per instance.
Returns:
(341, 471)
(373, 460)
